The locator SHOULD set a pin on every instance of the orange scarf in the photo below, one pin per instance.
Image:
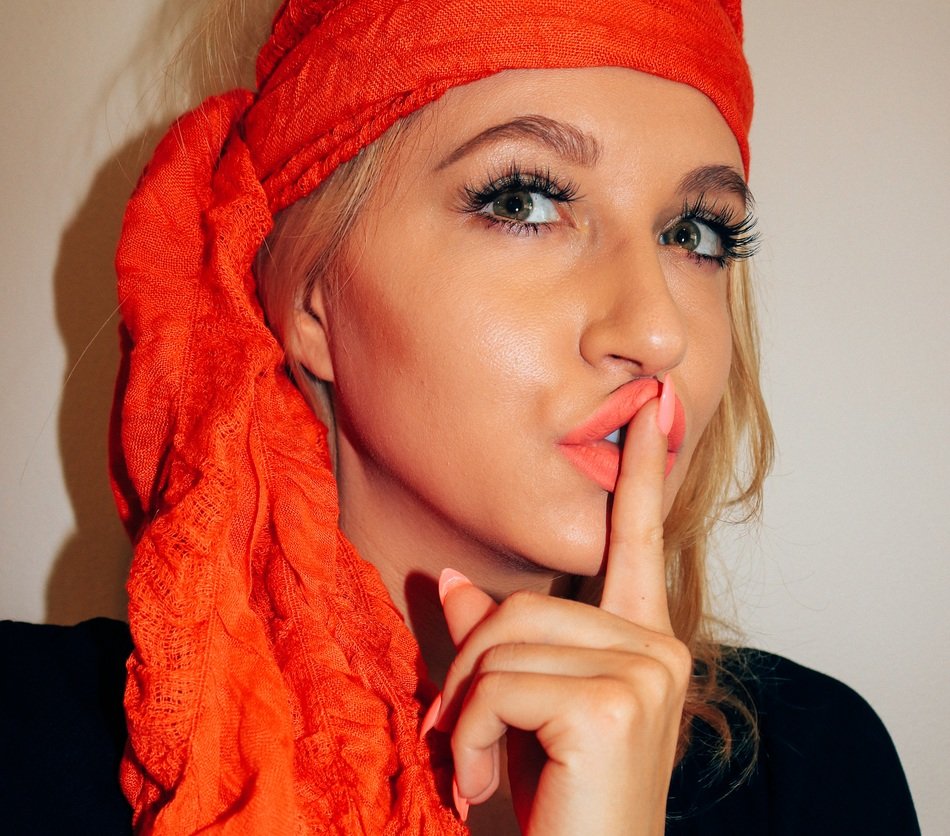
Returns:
(274, 688)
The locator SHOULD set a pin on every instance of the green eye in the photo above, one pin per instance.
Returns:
(693, 236)
(520, 207)
(513, 206)
(685, 234)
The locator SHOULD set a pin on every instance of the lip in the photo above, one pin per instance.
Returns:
(599, 460)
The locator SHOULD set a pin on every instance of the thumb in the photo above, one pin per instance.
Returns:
(464, 604)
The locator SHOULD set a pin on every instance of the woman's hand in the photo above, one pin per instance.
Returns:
(601, 688)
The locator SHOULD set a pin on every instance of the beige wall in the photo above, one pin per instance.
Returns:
(849, 573)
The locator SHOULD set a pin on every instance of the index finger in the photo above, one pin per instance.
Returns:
(635, 581)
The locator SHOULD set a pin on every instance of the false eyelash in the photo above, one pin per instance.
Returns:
(740, 239)
(514, 179)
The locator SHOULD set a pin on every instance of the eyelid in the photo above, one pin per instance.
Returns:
(707, 210)
(474, 198)
(515, 178)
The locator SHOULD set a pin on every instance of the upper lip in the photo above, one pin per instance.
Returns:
(618, 410)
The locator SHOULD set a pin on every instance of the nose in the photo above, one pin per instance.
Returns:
(634, 322)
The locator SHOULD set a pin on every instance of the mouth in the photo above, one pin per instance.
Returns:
(595, 446)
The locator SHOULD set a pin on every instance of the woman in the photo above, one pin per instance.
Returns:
(506, 269)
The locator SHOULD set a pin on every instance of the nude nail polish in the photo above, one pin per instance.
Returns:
(664, 415)
(461, 804)
(448, 579)
(429, 720)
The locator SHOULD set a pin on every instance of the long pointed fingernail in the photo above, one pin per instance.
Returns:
(664, 415)
(448, 579)
(461, 804)
(428, 722)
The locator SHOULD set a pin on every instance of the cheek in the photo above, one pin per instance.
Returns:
(704, 375)
(713, 361)
(411, 350)
(370, 347)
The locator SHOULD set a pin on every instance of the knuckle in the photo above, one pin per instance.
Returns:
(656, 681)
(648, 537)
(680, 662)
(521, 604)
(652, 536)
(498, 657)
(661, 680)
(486, 686)
(616, 705)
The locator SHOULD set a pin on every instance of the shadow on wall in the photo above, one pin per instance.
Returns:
(88, 577)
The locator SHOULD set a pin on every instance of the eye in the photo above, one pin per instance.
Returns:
(710, 233)
(520, 202)
(695, 237)
(522, 206)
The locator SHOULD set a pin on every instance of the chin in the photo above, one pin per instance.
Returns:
(578, 545)
(573, 546)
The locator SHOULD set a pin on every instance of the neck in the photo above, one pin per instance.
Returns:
(410, 544)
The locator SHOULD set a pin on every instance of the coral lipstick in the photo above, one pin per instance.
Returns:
(586, 446)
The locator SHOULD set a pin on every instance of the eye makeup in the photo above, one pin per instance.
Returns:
(734, 239)
(509, 200)
(524, 201)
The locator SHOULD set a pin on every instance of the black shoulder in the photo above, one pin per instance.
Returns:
(63, 727)
(825, 763)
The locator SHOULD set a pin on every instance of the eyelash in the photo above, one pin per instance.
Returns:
(514, 179)
(739, 239)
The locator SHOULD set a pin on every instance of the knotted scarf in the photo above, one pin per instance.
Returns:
(274, 688)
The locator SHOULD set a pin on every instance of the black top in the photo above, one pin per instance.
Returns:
(825, 766)
(62, 728)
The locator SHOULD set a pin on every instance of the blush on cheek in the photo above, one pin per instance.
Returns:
(369, 325)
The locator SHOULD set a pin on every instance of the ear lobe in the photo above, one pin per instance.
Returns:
(312, 341)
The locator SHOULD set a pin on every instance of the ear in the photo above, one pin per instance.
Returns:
(312, 338)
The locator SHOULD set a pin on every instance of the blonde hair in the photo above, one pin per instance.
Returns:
(304, 247)
(725, 478)
(729, 465)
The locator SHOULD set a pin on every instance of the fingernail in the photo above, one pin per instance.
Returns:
(461, 804)
(448, 579)
(428, 722)
(664, 415)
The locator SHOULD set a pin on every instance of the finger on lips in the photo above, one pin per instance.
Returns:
(635, 577)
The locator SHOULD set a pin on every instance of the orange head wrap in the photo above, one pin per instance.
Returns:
(273, 688)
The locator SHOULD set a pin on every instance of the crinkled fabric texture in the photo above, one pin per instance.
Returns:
(273, 685)
(274, 688)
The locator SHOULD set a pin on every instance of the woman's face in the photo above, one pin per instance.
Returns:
(540, 240)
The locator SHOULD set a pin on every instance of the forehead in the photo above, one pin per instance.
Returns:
(630, 118)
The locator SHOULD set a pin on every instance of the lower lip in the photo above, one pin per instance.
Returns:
(600, 462)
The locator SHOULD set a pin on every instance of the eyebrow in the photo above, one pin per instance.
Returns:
(578, 147)
(716, 178)
(565, 140)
